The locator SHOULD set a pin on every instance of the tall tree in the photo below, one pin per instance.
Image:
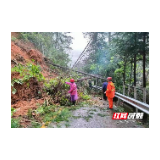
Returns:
(54, 45)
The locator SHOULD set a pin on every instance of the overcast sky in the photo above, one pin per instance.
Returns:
(79, 43)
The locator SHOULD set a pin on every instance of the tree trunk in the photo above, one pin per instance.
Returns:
(131, 73)
(109, 37)
(124, 78)
(95, 36)
(144, 60)
(39, 42)
(144, 68)
(124, 74)
(134, 69)
(147, 37)
(135, 60)
(94, 43)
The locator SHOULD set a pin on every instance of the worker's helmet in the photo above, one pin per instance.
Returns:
(71, 80)
(109, 78)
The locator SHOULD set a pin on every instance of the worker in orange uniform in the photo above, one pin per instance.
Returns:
(110, 92)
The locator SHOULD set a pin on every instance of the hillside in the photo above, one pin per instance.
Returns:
(26, 97)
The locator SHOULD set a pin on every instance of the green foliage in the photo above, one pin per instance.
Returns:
(45, 109)
(53, 113)
(114, 59)
(94, 110)
(85, 97)
(119, 109)
(83, 103)
(19, 81)
(13, 38)
(57, 88)
(40, 110)
(12, 111)
(14, 91)
(35, 124)
(63, 116)
(76, 117)
(53, 45)
(26, 72)
(101, 115)
(51, 83)
(67, 125)
(15, 123)
(18, 68)
(29, 113)
(73, 108)
(88, 117)
(64, 101)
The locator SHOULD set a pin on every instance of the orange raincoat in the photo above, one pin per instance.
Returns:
(110, 93)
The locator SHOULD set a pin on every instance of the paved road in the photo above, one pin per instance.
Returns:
(96, 116)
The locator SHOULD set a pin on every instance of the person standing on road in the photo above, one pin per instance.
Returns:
(110, 92)
(104, 88)
(73, 91)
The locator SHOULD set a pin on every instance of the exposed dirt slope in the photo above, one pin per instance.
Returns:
(27, 96)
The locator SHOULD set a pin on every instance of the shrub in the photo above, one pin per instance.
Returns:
(13, 38)
(26, 72)
(15, 123)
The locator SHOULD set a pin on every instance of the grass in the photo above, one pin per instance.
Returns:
(91, 111)
(64, 115)
(67, 125)
(72, 108)
(94, 110)
(85, 97)
(76, 117)
(48, 114)
(85, 103)
(119, 109)
(55, 114)
(29, 113)
(47, 118)
(104, 109)
(58, 126)
(15, 123)
(35, 124)
(101, 115)
(87, 118)
(13, 38)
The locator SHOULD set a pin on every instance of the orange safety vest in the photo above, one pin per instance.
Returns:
(110, 92)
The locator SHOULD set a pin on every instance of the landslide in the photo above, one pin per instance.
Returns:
(29, 93)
